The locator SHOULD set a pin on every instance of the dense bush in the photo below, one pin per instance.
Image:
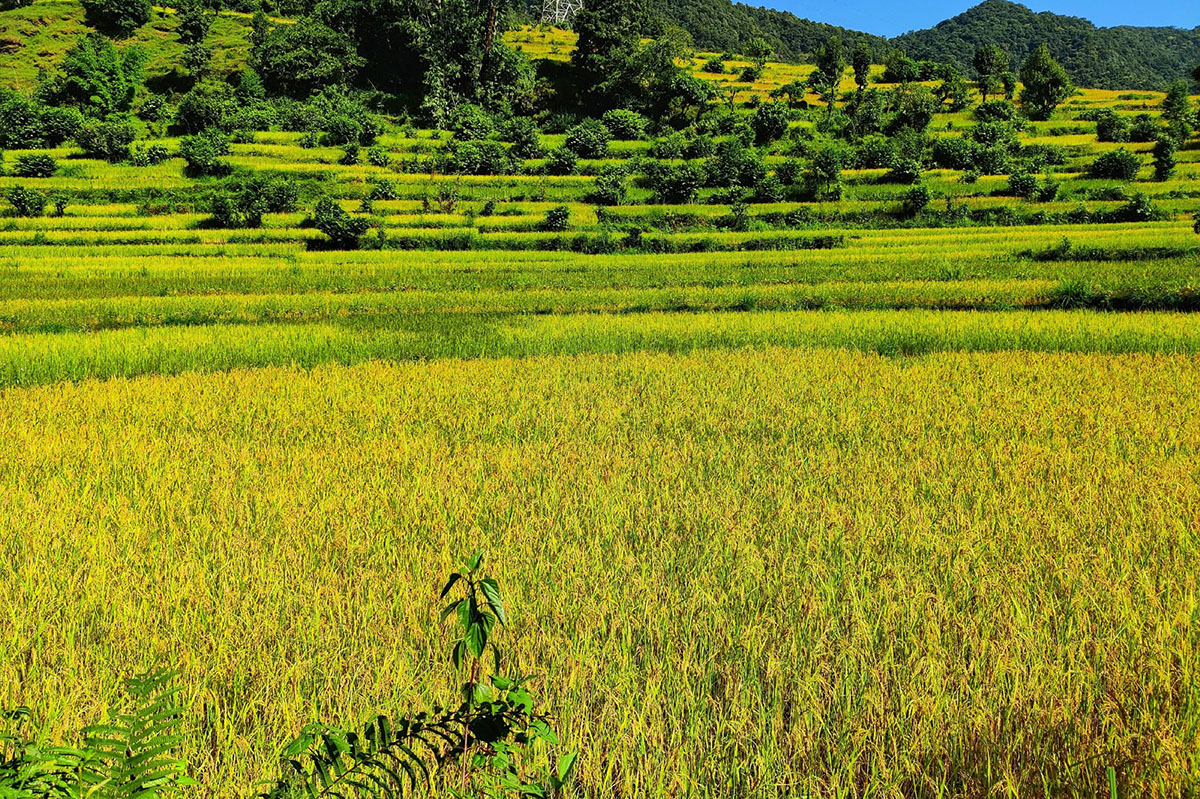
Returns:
(875, 152)
(625, 125)
(996, 111)
(770, 122)
(117, 17)
(1110, 127)
(1116, 165)
(714, 66)
(204, 153)
(299, 59)
(35, 165)
(735, 164)
(108, 141)
(611, 188)
(209, 104)
(96, 77)
(1023, 184)
(588, 139)
(471, 123)
(953, 152)
(26, 124)
(477, 158)
(1144, 129)
(674, 185)
(149, 156)
(522, 132)
(343, 230)
(916, 200)
(562, 162)
(557, 219)
(26, 202)
(905, 170)
(669, 147)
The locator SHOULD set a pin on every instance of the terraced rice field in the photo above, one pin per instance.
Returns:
(818, 508)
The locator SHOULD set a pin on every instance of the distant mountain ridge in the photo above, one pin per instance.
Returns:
(1125, 57)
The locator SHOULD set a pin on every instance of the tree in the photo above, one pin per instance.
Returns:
(758, 50)
(770, 122)
(1046, 84)
(1164, 157)
(195, 19)
(899, 68)
(861, 61)
(609, 33)
(118, 18)
(1177, 107)
(955, 91)
(990, 64)
(831, 63)
(97, 78)
(299, 59)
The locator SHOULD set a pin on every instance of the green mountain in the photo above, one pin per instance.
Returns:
(719, 25)
(1103, 58)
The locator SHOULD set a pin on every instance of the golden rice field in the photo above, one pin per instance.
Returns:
(837, 504)
(765, 572)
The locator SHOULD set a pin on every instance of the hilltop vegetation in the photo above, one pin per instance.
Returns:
(1107, 58)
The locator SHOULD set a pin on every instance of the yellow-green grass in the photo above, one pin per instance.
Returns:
(736, 573)
(39, 358)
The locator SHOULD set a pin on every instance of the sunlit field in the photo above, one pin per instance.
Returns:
(789, 498)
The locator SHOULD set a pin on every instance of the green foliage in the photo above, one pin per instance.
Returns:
(471, 122)
(770, 122)
(1110, 127)
(625, 125)
(26, 202)
(899, 68)
(831, 64)
(823, 176)
(97, 78)
(860, 61)
(209, 104)
(990, 63)
(1046, 84)
(27, 124)
(611, 186)
(557, 219)
(522, 133)
(588, 139)
(108, 141)
(35, 165)
(913, 108)
(129, 755)
(195, 18)
(298, 59)
(1120, 164)
(204, 153)
(996, 111)
(477, 158)
(904, 170)
(714, 66)
(562, 161)
(1122, 57)
(118, 18)
(916, 200)
(490, 734)
(344, 231)
(1165, 157)
(954, 92)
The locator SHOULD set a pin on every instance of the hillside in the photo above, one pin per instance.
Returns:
(720, 25)
(1107, 58)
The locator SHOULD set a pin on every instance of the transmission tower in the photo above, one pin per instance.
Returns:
(560, 12)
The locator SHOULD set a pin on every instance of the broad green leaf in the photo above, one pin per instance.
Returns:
(491, 590)
(454, 578)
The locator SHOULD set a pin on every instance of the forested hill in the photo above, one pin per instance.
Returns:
(720, 25)
(1103, 58)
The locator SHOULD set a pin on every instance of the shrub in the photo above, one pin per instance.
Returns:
(1116, 165)
(875, 152)
(522, 132)
(1144, 129)
(703, 146)
(471, 122)
(384, 190)
(916, 200)
(1023, 184)
(624, 125)
(59, 124)
(562, 162)
(209, 104)
(674, 185)
(714, 66)
(734, 164)
(1164, 157)
(203, 153)
(149, 156)
(610, 186)
(350, 155)
(377, 156)
(788, 172)
(953, 152)
(769, 190)
(588, 139)
(557, 219)
(477, 158)
(35, 165)
(770, 122)
(996, 111)
(108, 141)
(1110, 127)
(26, 202)
(750, 74)
(343, 230)
(117, 17)
(906, 170)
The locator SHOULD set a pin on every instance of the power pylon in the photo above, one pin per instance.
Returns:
(560, 12)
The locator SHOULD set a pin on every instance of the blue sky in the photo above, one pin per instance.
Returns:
(890, 18)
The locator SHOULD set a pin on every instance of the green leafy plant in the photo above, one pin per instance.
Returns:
(482, 747)
(130, 755)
